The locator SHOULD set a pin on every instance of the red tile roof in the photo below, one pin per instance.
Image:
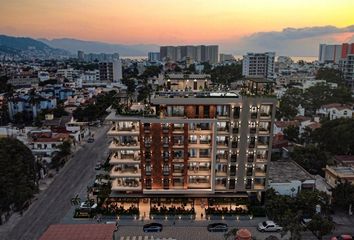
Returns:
(338, 106)
(79, 232)
(285, 124)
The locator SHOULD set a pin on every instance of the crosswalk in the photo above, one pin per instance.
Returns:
(143, 238)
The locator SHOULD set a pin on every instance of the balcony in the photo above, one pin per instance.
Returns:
(124, 158)
(260, 174)
(258, 187)
(123, 131)
(199, 172)
(263, 131)
(234, 144)
(126, 171)
(235, 130)
(265, 115)
(262, 144)
(132, 144)
(199, 184)
(221, 173)
(261, 158)
(126, 185)
(223, 130)
(222, 157)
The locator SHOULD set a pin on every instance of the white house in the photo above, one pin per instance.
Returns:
(336, 110)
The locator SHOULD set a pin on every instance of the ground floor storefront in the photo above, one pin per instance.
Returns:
(144, 207)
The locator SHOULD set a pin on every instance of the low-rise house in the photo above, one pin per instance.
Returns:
(336, 110)
(44, 144)
(339, 174)
(289, 178)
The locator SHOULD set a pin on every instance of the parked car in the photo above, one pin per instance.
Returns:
(90, 140)
(269, 226)
(152, 227)
(98, 166)
(218, 227)
(343, 237)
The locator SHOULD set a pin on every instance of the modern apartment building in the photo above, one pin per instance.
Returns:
(111, 71)
(201, 53)
(196, 146)
(347, 68)
(260, 65)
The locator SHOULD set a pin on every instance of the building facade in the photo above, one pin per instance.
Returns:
(260, 65)
(201, 53)
(111, 71)
(193, 147)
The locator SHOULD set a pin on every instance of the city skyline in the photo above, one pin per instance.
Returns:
(237, 24)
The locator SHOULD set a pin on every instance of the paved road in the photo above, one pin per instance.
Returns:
(54, 202)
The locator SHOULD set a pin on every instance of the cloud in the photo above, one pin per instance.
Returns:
(290, 41)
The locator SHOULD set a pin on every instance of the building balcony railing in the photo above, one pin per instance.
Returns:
(253, 130)
(116, 160)
(123, 131)
(199, 172)
(235, 130)
(263, 131)
(260, 173)
(234, 144)
(199, 185)
(261, 159)
(126, 185)
(221, 173)
(265, 115)
(258, 187)
(254, 115)
(262, 144)
(125, 172)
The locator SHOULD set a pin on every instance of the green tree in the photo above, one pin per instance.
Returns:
(312, 158)
(18, 174)
(343, 195)
(336, 136)
(291, 133)
(316, 96)
(226, 74)
(330, 75)
(320, 226)
(289, 103)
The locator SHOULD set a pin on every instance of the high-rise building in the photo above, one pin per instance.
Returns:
(330, 53)
(347, 68)
(215, 145)
(111, 71)
(81, 55)
(199, 53)
(153, 56)
(259, 65)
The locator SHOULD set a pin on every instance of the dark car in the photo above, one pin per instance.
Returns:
(152, 227)
(218, 227)
(98, 166)
(90, 140)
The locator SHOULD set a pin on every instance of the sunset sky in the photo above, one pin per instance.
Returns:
(170, 21)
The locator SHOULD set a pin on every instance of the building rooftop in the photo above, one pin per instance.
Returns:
(286, 171)
(344, 160)
(79, 232)
(343, 171)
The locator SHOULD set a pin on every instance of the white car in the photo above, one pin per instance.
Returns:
(269, 226)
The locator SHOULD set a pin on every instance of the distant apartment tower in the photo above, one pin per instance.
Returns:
(201, 53)
(153, 56)
(111, 71)
(81, 55)
(259, 65)
(347, 68)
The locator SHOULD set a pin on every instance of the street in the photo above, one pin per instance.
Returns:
(54, 202)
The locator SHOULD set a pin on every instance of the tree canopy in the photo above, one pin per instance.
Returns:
(336, 136)
(226, 74)
(330, 75)
(17, 174)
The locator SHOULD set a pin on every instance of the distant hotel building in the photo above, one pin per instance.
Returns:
(259, 65)
(196, 146)
(201, 53)
(335, 53)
